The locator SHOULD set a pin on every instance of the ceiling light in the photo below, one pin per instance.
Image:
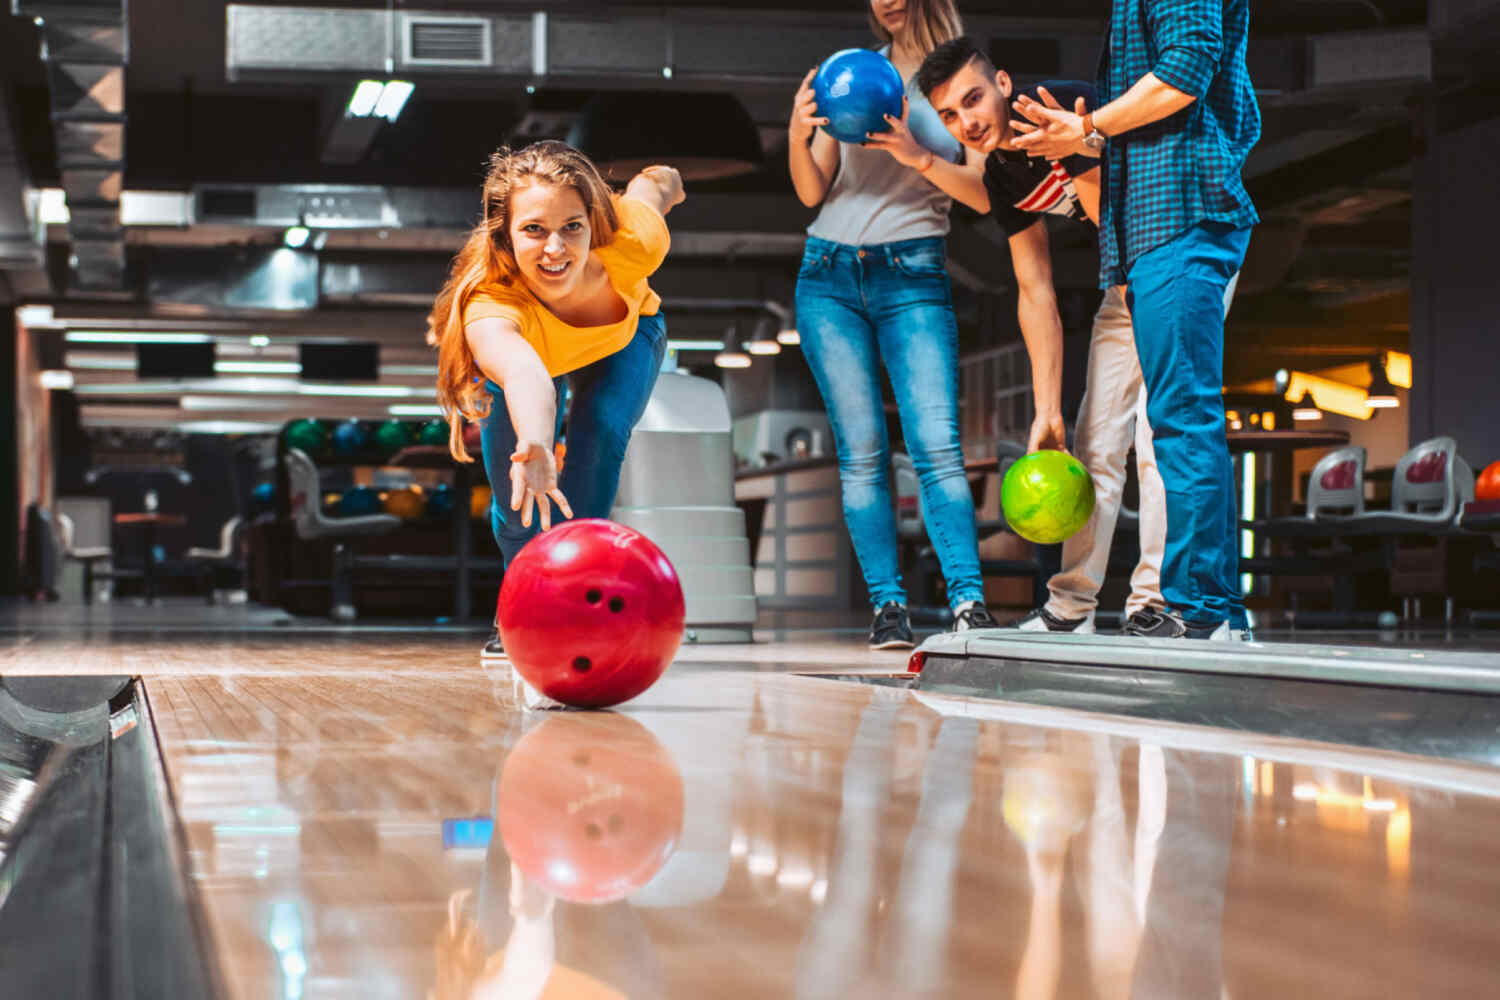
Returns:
(763, 347)
(1327, 394)
(393, 99)
(1382, 394)
(296, 236)
(356, 390)
(732, 359)
(57, 379)
(1398, 368)
(228, 427)
(258, 367)
(1305, 410)
(260, 340)
(414, 410)
(133, 337)
(695, 345)
(366, 96)
(789, 337)
(31, 316)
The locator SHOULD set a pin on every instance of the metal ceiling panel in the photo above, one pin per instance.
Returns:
(306, 38)
(83, 42)
(86, 143)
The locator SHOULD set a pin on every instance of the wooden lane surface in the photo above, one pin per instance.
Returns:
(836, 840)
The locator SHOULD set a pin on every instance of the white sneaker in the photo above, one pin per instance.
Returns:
(1042, 620)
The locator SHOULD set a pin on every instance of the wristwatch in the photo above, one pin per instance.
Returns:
(1092, 137)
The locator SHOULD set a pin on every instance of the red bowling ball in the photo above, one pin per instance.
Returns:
(589, 806)
(591, 613)
(1488, 486)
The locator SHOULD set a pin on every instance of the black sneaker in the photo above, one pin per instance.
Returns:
(1042, 620)
(1155, 623)
(494, 649)
(891, 628)
(971, 616)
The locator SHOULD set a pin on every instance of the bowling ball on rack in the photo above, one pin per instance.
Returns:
(391, 437)
(361, 501)
(591, 613)
(407, 504)
(1047, 496)
(350, 438)
(440, 501)
(434, 431)
(262, 498)
(479, 502)
(306, 435)
(471, 439)
(855, 89)
(1487, 487)
(589, 806)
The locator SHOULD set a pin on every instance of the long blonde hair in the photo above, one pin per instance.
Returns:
(488, 258)
(933, 23)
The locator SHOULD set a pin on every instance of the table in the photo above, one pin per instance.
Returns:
(1279, 445)
(150, 521)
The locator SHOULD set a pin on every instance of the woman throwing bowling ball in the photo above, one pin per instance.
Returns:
(550, 289)
(872, 290)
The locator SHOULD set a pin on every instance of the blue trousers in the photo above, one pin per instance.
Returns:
(859, 308)
(606, 399)
(1176, 296)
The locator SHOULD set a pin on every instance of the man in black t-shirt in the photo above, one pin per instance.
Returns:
(972, 98)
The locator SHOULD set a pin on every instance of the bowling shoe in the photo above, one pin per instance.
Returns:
(891, 628)
(1158, 623)
(971, 616)
(494, 649)
(1042, 620)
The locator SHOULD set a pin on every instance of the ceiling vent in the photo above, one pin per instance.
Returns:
(428, 40)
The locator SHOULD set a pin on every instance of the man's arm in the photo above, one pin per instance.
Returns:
(1041, 329)
(1087, 187)
(1189, 38)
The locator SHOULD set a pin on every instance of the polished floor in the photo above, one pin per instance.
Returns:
(370, 814)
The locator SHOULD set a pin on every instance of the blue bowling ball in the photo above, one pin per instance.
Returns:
(440, 502)
(855, 90)
(262, 497)
(359, 502)
(350, 438)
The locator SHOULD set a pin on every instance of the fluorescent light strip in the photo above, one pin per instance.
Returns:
(393, 99)
(258, 367)
(358, 390)
(409, 370)
(129, 337)
(695, 345)
(100, 364)
(365, 97)
(413, 410)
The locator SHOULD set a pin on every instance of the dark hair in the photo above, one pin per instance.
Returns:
(947, 59)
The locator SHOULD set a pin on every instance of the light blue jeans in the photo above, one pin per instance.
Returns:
(1176, 298)
(859, 308)
(607, 398)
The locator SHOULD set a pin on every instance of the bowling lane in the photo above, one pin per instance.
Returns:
(374, 819)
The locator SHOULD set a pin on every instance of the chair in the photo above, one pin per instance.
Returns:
(1431, 485)
(227, 556)
(87, 555)
(311, 525)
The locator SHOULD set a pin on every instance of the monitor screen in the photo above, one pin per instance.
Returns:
(326, 362)
(174, 360)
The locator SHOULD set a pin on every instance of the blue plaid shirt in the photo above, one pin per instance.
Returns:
(1163, 178)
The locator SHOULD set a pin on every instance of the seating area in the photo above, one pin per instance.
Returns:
(1367, 559)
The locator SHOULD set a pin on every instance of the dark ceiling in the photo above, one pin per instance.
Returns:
(1327, 277)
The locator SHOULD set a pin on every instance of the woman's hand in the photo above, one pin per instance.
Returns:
(900, 143)
(669, 181)
(533, 481)
(804, 112)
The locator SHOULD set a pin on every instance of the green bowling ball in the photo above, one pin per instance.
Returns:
(1047, 496)
(434, 431)
(306, 435)
(392, 436)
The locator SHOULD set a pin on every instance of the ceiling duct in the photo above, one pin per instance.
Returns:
(85, 46)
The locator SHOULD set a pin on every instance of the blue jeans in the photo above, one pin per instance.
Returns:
(607, 398)
(859, 307)
(1176, 295)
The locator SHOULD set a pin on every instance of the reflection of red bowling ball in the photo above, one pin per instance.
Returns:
(591, 613)
(589, 806)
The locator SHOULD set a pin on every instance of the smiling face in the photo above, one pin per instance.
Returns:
(891, 15)
(974, 106)
(550, 237)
